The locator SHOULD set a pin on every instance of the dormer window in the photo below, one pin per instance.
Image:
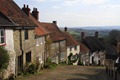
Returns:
(2, 36)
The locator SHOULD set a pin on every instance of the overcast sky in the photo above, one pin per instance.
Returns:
(72, 13)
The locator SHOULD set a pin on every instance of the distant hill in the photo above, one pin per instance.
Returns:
(100, 27)
(90, 31)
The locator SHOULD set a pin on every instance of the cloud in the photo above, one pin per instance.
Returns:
(109, 6)
(56, 7)
(95, 2)
(78, 2)
(40, 0)
(71, 2)
(54, 0)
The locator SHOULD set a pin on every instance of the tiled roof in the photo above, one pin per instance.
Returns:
(11, 10)
(111, 53)
(56, 34)
(70, 40)
(5, 21)
(39, 30)
(93, 43)
(83, 48)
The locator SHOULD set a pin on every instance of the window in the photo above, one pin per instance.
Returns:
(2, 36)
(26, 34)
(75, 47)
(28, 57)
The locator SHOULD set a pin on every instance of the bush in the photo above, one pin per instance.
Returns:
(69, 59)
(30, 69)
(63, 63)
(4, 58)
(79, 62)
(70, 62)
(49, 64)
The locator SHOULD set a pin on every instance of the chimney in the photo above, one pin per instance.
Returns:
(96, 34)
(35, 13)
(65, 29)
(82, 35)
(55, 22)
(26, 9)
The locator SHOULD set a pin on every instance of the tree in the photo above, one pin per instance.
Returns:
(4, 59)
(113, 37)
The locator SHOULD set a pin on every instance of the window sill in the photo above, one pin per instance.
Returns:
(26, 40)
(3, 44)
(37, 45)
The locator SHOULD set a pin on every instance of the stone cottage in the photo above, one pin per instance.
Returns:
(111, 60)
(17, 35)
(58, 47)
(41, 34)
(97, 49)
(73, 46)
(84, 54)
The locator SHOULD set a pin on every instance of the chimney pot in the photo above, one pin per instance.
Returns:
(65, 29)
(96, 34)
(27, 6)
(24, 5)
(82, 35)
(33, 9)
(26, 10)
(55, 22)
(35, 13)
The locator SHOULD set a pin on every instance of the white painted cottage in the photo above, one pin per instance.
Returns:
(72, 46)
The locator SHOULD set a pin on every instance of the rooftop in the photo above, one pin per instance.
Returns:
(39, 30)
(83, 48)
(11, 10)
(56, 34)
(70, 40)
(93, 43)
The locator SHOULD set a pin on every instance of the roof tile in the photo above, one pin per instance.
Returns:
(11, 10)
(56, 34)
(70, 40)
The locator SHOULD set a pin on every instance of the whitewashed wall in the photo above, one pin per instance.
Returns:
(73, 50)
(10, 47)
(9, 40)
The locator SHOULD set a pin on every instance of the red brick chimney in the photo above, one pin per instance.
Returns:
(96, 34)
(35, 13)
(55, 22)
(26, 10)
(82, 35)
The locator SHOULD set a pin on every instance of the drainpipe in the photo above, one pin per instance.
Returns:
(21, 48)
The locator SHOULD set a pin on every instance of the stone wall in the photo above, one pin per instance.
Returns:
(24, 46)
(63, 51)
(58, 51)
(85, 58)
(40, 50)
